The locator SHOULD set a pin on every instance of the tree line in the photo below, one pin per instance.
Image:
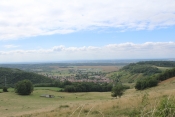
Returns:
(82, 86)
(138, 68)
(154, 80)
(158, 63)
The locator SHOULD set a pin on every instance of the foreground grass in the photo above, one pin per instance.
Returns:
(16, 105)
(147, 103)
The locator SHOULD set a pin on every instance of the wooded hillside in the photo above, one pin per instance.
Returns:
(12, 76)
(132, 72)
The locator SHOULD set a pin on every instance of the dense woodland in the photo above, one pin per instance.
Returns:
(146, 69)
(158, 63)
(12, 76)
(88, 87)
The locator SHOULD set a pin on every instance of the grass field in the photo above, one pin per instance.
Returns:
(93, 104)
(16, 105)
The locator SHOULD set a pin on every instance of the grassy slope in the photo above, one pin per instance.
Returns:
(128, 77)
(81, 104)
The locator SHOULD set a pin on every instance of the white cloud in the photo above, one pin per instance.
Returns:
(25, 18)
(10, 46)
(112, 51)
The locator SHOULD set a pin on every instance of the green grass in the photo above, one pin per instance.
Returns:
(48, 88)
(164, 68)
(14, 104)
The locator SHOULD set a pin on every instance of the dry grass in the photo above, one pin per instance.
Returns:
(171, 80)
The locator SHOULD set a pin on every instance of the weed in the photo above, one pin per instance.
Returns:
(134, 113)
(95, 112)
(64, 106)
(85, 111)
(166, 107)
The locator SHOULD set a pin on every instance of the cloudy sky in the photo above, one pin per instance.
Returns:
(57, 30)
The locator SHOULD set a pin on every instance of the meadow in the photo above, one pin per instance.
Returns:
(91, 104)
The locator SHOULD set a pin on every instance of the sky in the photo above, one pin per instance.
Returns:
(61, 30)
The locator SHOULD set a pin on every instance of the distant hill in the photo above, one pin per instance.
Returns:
(12, 76)
(134, 71)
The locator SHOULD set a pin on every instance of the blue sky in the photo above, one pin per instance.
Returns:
(55, 30)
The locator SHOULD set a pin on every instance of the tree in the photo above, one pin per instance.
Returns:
(146, 83)
(24, 87)
(117, 90)
(5, 89)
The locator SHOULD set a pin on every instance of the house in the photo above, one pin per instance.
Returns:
(47, 96)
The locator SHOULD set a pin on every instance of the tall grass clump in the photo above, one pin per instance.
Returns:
(166, 107)
(163, 107)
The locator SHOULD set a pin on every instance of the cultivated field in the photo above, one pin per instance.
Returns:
(72, 70)
(93, 104)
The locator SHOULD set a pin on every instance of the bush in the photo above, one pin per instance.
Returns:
(5, 89)
(117, 91)
(146, 83)
(24, 87)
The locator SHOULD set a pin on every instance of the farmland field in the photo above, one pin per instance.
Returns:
(56, 70)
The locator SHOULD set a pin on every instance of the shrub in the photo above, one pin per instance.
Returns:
(24, 87)
(5, 89)
(146, 83)
(117, 91)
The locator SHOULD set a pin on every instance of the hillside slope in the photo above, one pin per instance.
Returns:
(12, 76)
(134, 71)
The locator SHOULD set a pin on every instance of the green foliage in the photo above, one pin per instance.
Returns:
(166, 74)
(140, 70)
(159, 63)
(5, 89)
(70, 88)
(14, 75)
(87, 87)
(117, 91)
(24, 87)
(146, 83)
(145, 69)
(166, 107)
(153, 81)
(63, 106)
(134, 113)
